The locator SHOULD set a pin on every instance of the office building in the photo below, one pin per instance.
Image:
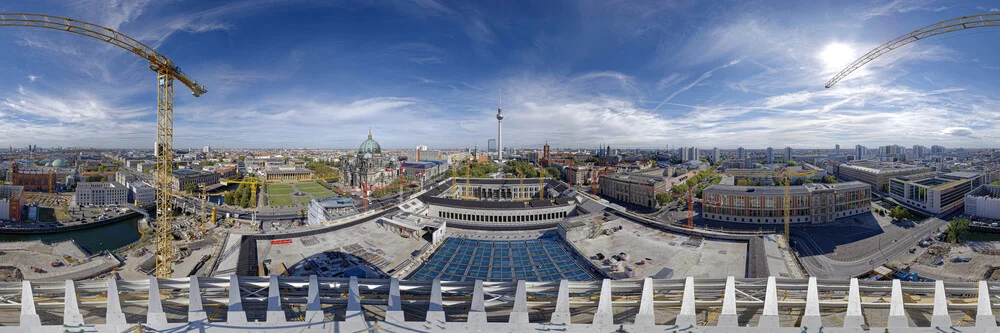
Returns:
(637, 188)
(741, 157)
(11, 202)
(809, 203)
(932, 193)
(100, 194)
(770, 155)
(206, 149)
(837, 149)
(859, 152)
(183, 177)
(788, 154)
(684, 154)
(935, 149)
(715, 155)
(878, 178)
(984, 201)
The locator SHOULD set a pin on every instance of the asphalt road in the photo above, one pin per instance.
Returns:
(821, 266)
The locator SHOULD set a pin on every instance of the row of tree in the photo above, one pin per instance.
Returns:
(323, 170)
(242, 196)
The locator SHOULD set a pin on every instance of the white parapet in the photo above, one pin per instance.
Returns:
(354, 312)
(897, 314)
(604, 316)
(519, 314)
(393, 309)
(729, 317)
(561, 316)
(477, 312)
(71, 311)
(235, 313)
(435, 310)
(811, 319)
(314, 309)
(155, 314)
(274, 312)
(196, 310)
(646, 315)
(29, 316)
(984, 310)
(686, 318)
(854, 318)
(940, 317)
(114, 315)
(769, 317)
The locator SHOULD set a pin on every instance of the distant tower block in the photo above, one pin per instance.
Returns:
(500, 126)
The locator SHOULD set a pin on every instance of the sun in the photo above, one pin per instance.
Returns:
(836, 56)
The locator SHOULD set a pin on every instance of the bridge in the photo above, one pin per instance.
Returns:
(322, 304)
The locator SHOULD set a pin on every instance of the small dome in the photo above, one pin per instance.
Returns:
(370, 146)
(59, 163)
(48, 164)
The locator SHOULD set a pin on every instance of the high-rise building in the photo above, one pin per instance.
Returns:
(788, 154)
(935, 149)
(607, 152)
(206, 149)
(684, 154)
(715, 155)
(770, 155)
(859, 152)
(837, 150)
(741, 155)
(693, 154)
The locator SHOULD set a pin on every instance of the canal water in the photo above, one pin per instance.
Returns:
(95, 240)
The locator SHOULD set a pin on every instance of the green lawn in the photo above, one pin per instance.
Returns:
(281, 200)
(280, 189)
(314, 190)
(303, 200)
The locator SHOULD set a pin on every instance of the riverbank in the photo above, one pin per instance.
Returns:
(7, 230)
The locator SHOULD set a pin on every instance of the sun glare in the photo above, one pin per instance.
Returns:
(836, 56)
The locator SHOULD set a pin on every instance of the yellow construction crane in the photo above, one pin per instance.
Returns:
(786, 202)
(166, 73)
(204, 201)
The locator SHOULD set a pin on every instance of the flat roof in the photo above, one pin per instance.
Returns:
(780, 190)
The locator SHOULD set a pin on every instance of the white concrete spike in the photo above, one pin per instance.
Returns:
(155, 314)
(354, 312)
(769, 318)
(235, 313)
(561, 316)
(646, 315)
(435, 311)
(984, 312)
(274, 312)
(897, 314)
(604, 317)
(686, 318)
(477, 315)
(71, 311)
(519, 314)
(940, 317)
(29, 316)
(394, 309)
(729, 317)
(854, 318)
(811, 318)
(114, 315)
(196, 309)
(314, 309)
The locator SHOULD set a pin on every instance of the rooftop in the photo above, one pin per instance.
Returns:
(779, 190)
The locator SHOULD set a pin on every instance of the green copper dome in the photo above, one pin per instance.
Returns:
(370, 146)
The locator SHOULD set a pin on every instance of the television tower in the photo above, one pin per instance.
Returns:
(500, 126)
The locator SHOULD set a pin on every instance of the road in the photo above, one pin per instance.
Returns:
(821, 266)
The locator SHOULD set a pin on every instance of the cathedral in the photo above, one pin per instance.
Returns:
(369, 164)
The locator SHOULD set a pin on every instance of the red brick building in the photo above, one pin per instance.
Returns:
(33, 180)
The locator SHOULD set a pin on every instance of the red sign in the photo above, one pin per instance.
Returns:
(281, 241)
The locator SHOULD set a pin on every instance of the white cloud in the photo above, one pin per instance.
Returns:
(886, 8)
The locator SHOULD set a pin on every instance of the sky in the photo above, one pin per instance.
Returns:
(575, 74)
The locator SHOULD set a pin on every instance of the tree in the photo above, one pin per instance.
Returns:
(957, 229)
(900, 213)
(679, 189)
(829, 179)
(191, 188)
(662, 198)
(553, 172)
(95, 178)
(791, 163)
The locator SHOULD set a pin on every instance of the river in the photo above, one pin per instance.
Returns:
(95, 240)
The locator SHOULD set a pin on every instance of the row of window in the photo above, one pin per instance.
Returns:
(501, 218)
(777, 219)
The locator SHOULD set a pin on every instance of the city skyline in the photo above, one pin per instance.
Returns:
(635, 75)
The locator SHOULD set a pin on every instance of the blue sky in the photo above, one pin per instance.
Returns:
(647, 74)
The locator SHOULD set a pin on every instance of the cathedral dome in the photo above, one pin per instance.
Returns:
(370, 146)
